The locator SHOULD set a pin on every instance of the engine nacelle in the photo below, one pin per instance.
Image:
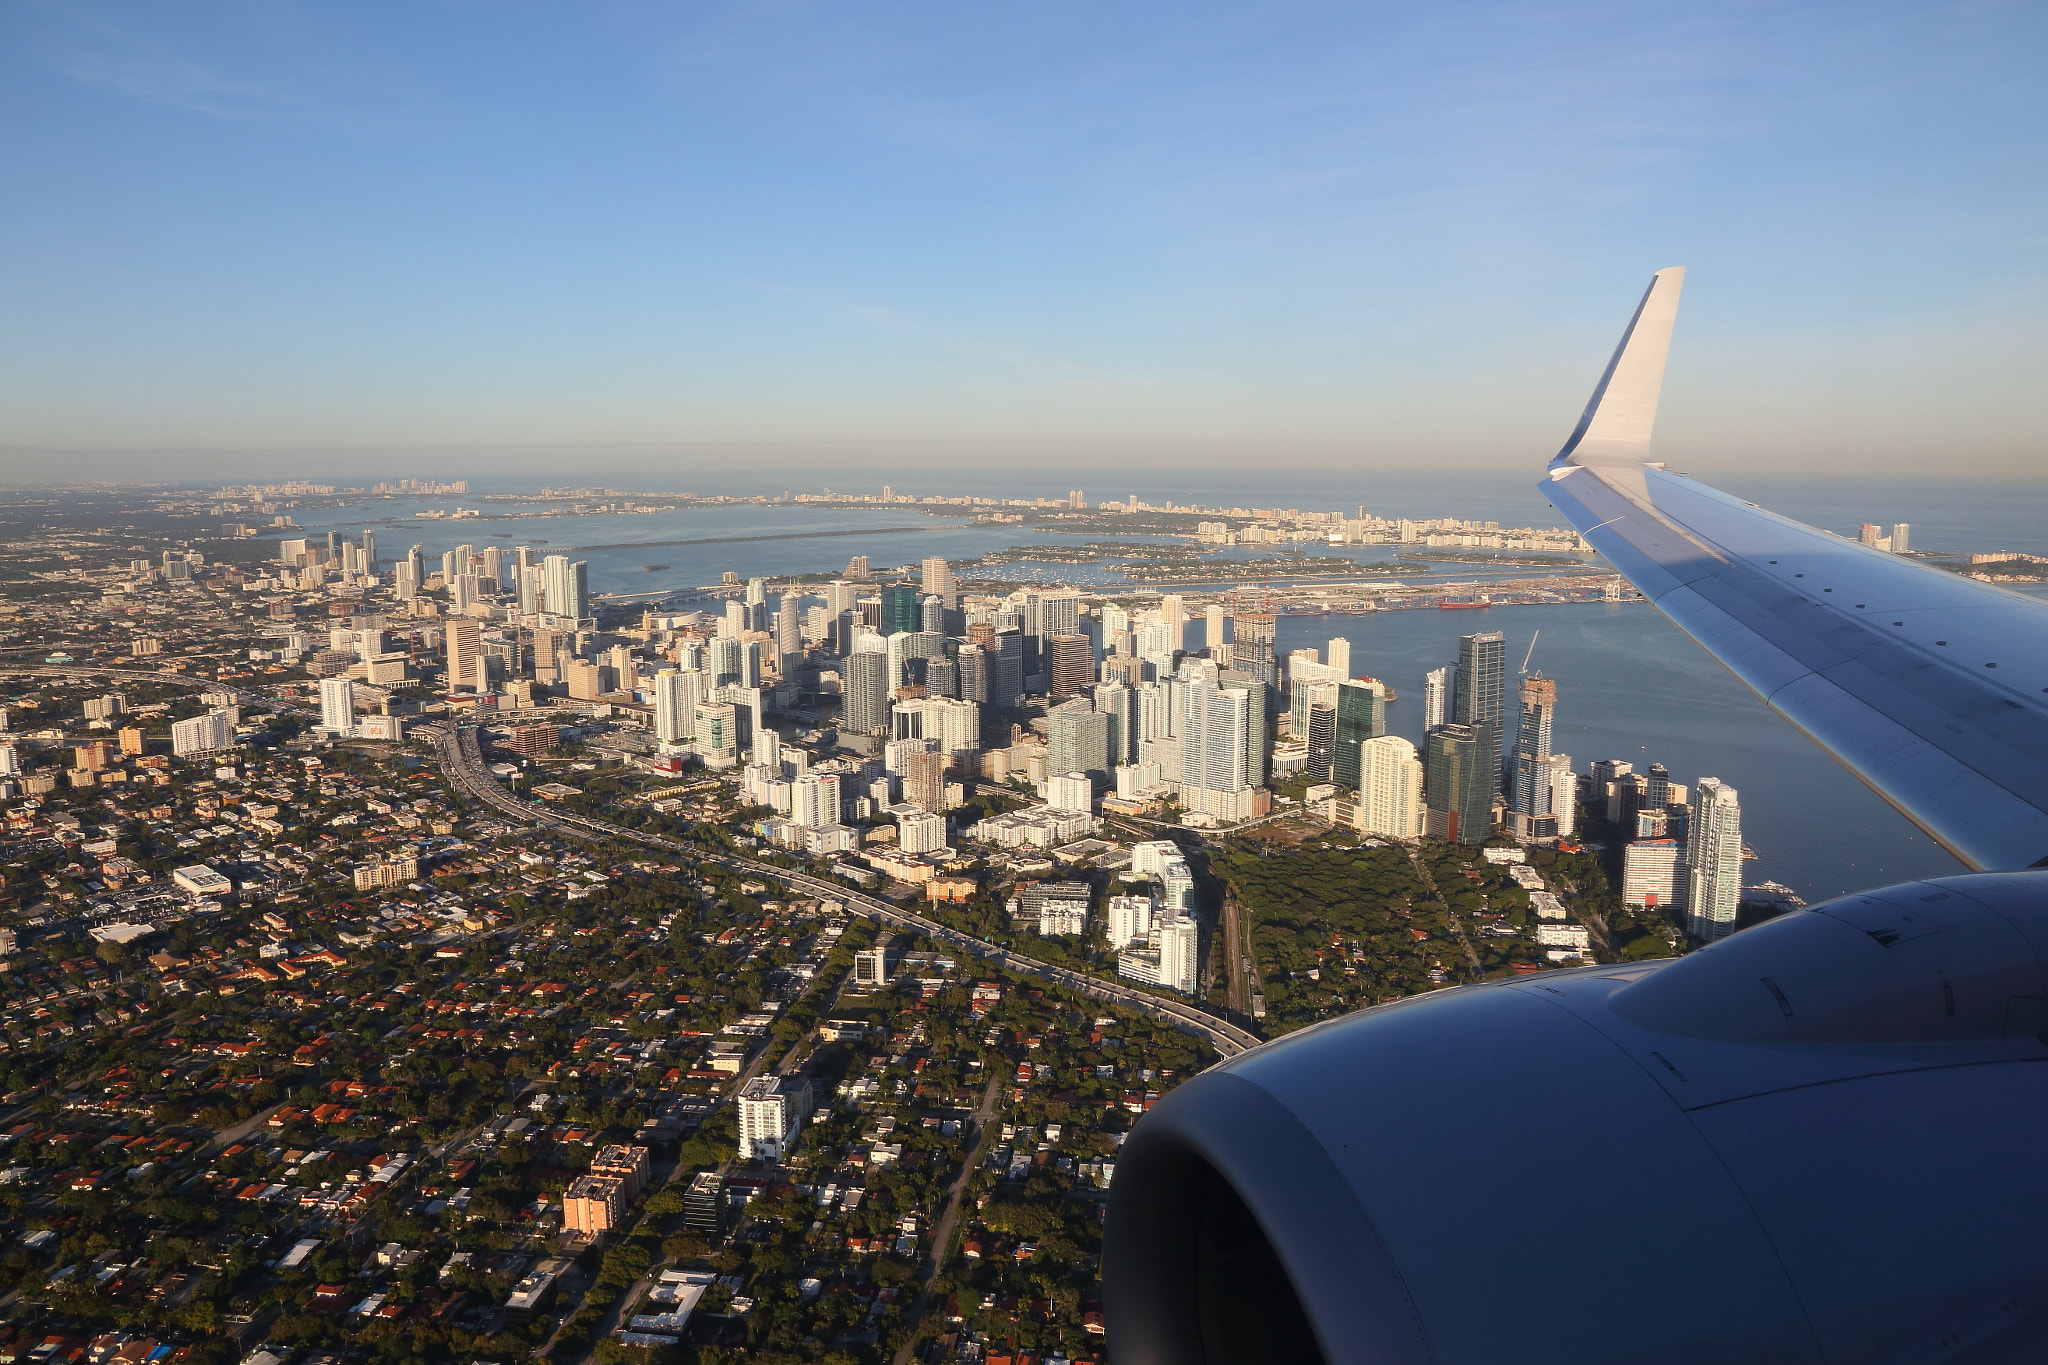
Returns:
(1823, 1139)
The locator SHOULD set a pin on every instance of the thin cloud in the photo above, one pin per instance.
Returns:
(307, 78)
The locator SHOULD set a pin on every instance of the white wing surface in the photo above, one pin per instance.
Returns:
(1930, 687)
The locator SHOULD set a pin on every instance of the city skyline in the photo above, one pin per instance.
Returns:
(680, 239)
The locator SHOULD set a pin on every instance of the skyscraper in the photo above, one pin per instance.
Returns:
(1258, 728)
(866, 685)
(1212, 628)
(900, 610)
(1340, 656)
(1531, 795)
(1902, 535)
(1070, 665)
(1115, 701)
(1077, 741)
(1479, 700)
(1459, 782)
(1713, 861)
(973, 666)
(1437, 686)
(1215, 762)
(1361, 715)
(676, 694)
(1389, 788)
(338, 706)
(1251, 653)
(938, 581)
(1173, 613)
(465, 655)
(568, 586)
(789, 638)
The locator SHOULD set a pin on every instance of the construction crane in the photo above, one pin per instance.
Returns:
(1531, 654)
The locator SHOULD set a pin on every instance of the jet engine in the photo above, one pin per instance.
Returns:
(1822, 1139)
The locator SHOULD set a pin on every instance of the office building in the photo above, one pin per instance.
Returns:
(938, 581)
(704, 1203)
(718, 737)
(1389, 788)
(900, 610)
(1530, 794)
(1070, 665)
(874, 965)
(865, 681)
(1460, 777)
(1361, 714)
(465, 655)
(1713, 861)
(1480, 696)
(1251, 652)
(772, 1113)
(338, 706)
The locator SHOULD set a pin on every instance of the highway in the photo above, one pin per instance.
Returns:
(462, 763)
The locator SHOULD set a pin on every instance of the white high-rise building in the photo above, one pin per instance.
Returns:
(1129, 918)
(1564, 794)
(10, 762)
(772, 1113)
(1340, 657)
(1436, 696)
(1173, 614)
(567, 586)
(1212, 627)
(1070, 792)
(203, 734)
(1389, 788)
(718, 734)
(1179, 948)
(814, 800)
(1713, 861)
(919, 831)
(676, 695)
(338, 706)
(1216, 762)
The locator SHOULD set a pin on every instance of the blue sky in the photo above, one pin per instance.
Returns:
(312, 238)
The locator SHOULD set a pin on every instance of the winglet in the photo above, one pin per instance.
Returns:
(1614, 432)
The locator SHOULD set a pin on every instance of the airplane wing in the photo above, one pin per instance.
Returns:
(1930, 687)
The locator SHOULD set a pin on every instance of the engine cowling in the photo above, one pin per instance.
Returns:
(1823, 1139)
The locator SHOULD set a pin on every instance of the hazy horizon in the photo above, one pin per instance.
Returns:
(255, 241)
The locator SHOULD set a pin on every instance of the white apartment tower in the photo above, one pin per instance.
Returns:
(338, 706)
(772, 1113)
(1713, 861)
(1389, 788)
